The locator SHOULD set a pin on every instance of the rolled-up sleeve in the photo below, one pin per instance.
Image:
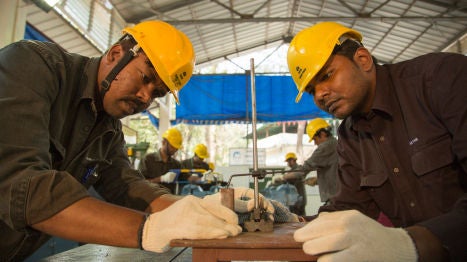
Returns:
(31, 190)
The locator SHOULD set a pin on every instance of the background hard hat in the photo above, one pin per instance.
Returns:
(201, 151)
(315, 125)
(212, 166)
(311, 48)
(290, 155)
(169, 50)
(174, 137)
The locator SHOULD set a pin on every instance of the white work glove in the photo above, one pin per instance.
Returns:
(168, 177)
(244, 206)
(188, 218)
(312, 181)
(277, 179)
(351, 236)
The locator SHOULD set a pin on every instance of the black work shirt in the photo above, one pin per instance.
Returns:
(190, 163)
(408, 156)
(54, 145)
(152, 165)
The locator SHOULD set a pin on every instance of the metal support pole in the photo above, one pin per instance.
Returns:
(253, 126)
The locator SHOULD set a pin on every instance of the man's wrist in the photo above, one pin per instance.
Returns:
(140, 231)
(427, 245)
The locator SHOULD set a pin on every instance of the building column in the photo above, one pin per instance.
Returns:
(13, 21)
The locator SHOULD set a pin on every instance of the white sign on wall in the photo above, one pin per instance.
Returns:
(244, 156)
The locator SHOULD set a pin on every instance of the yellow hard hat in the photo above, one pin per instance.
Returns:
(201, 151)
(174, 137)
(169, 50)
(315, 125)
(211, 166)
(290, 155)
(311, 48)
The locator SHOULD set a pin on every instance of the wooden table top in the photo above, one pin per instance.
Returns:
(280, 237)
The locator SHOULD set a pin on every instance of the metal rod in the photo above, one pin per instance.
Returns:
(253, 125)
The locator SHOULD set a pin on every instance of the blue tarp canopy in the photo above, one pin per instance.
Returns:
(32, 33)
(218, 99)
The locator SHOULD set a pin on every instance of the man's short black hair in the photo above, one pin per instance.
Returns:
(348, 49)
(326, 130)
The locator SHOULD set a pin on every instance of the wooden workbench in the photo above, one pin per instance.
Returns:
(276, 245)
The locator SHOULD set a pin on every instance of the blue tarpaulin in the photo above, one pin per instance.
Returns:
(217, 99)
(31, 33)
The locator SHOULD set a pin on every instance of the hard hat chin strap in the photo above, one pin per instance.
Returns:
(105, 84)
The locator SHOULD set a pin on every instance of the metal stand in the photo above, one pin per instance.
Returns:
(259, 220)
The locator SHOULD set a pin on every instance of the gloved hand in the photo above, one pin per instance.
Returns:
(188, 218)
(312, 181)
(277, 179)
(351, 236)
(245, 201)
(168, 177)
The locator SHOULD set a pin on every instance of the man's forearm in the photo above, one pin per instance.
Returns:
(90, 220)
(428, 246)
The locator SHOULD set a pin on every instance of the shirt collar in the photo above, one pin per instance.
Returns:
(90, 92)
(384, 101)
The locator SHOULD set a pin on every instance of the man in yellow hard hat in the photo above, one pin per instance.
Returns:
(156, 166)
(296, 179)
(200, 153)
(61, 135)
(402, 149)
(323, 160)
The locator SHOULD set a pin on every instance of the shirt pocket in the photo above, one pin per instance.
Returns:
(432, 156)
(374, 178)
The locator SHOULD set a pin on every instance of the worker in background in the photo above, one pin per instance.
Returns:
(402, 149)
(156, 167)
(323, 159)
(209, 177)
(61, 135)
(296, 179)
(200, 153)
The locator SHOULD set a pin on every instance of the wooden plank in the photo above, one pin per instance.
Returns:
(276, 245)
(280, 237)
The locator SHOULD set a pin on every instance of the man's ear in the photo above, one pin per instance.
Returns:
(114, 54)
(364, 59)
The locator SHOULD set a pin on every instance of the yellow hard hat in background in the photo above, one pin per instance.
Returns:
(290, 155)
(201, 151)
(311, 48)
(169, 50)
(315, 125)
(211, 166)
(174, 137)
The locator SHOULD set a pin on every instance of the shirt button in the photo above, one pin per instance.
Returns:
(381, 139)
(86, 128)
(396, 170)
(412, 204)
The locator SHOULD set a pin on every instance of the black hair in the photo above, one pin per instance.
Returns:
(127, 42)
(326, 130)
(348, 49)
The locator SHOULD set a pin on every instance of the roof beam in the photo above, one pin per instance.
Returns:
(314, 19)
(174, 5)
(240, 50)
